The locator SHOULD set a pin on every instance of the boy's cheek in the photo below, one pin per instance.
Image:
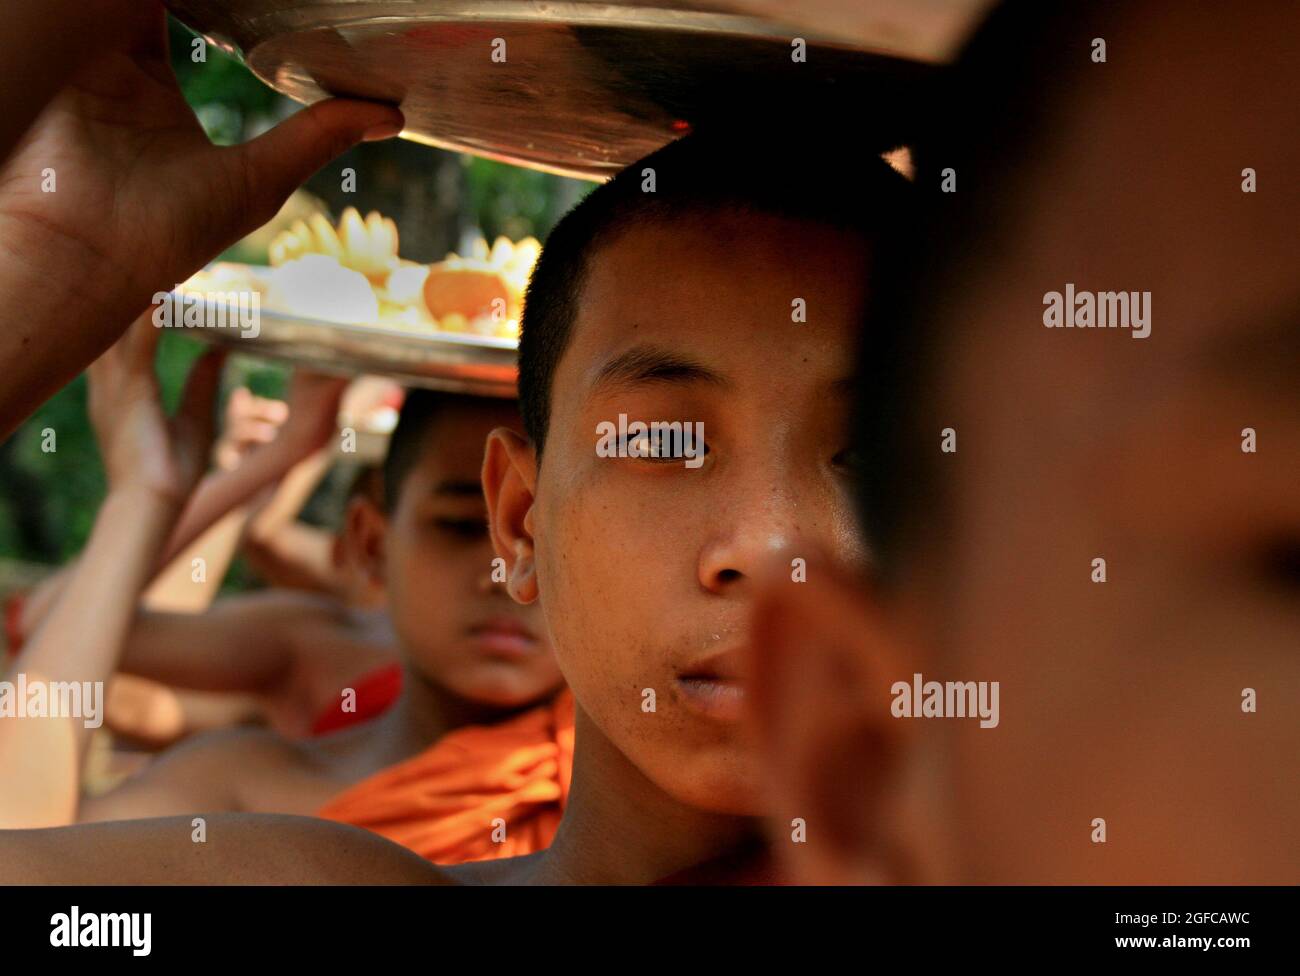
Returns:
(590, 597)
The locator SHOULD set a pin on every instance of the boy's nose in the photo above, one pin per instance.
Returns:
(746, 536)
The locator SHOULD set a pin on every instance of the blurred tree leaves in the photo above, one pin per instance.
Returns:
(517, 202)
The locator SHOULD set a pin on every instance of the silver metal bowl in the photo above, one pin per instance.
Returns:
(576, 87)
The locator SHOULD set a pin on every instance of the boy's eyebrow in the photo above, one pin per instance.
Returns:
(458, 489)
(652, 364)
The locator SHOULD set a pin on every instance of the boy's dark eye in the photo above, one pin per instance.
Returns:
(462, 528)
(660, 446)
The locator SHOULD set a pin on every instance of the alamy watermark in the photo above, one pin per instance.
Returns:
(241, 310)
(1098, 310)
(946, 699)
(658, 440)
(53, 699)
(78, 929)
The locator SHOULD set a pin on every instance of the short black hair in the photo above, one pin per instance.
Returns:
(796, 172)
(989, 119)
(410, 440)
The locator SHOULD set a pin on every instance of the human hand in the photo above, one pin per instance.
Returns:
(313, 401)
(251, 421)
(141, 446)
(141, 198)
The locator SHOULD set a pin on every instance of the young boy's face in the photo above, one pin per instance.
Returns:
(458, 627)
(646, 568)
(1121, 701)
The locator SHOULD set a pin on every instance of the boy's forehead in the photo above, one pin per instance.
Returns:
(729, 294)
(672, 252)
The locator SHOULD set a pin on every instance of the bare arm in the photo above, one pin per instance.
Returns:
(290, 495)
(284, 551)
(216, 495)
(243, 643)
(40, 756)
(239, 849)
(178, 588)
(313, 407)
(296, 556)
(152, 462)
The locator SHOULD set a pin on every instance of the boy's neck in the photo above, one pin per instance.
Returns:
(424, 713)
(620, 828)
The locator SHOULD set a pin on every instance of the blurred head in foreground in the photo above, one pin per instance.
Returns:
(1145, 730)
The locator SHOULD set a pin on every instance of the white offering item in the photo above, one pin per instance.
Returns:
(317, 286)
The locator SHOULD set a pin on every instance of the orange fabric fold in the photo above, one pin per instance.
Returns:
(442, 804)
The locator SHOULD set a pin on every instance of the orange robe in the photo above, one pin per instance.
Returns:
(442, 804)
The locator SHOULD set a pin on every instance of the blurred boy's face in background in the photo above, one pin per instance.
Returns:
(1122, 700)
(433, 555)
(646, 567)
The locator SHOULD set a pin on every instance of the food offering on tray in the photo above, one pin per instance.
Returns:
(352, 273)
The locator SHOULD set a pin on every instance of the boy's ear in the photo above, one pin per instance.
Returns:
(509, 485)
(365, 530)
(819, 674)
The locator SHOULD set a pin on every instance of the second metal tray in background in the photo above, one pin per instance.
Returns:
(456, 362)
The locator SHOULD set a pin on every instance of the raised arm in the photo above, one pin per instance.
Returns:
(313, 406)
(242, 643)
(284, 551)
(152, 463)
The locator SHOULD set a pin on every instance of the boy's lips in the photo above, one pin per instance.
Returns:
(713, 688)
(505, 637)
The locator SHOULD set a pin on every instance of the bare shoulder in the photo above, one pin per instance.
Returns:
(253, 749)
(219, 770)
(522, 870)
(219, 848)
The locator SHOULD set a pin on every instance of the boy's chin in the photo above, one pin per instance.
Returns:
(726, 791)
(505, 697)
(497, 687)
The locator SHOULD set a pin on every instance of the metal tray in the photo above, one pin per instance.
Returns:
(459, 363)
(586, 87)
